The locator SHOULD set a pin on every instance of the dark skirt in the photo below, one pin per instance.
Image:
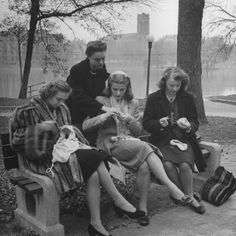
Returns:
(176, 156)
(90, 160)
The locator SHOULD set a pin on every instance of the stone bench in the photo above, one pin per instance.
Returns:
(38, 199)
(213, 160)
(211, 153)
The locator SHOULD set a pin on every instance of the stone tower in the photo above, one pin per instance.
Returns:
(143, 24)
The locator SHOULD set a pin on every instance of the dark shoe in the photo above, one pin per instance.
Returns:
(93, 232)
(143, 220)
(199, 209)
(184, 201)
(134, 215)
(197, 196)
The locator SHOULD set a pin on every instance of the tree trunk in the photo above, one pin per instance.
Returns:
(20, 61)
(189, 48)
(34, 11)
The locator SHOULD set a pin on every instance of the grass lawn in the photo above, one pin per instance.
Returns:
(231, 97)
(12, 101)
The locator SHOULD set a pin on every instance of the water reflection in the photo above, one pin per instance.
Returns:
(219, 82)
(214, 82)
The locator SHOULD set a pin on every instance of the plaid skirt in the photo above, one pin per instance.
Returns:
(131, 153)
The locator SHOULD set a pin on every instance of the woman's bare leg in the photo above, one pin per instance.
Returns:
(143, 182)
(172, 173)
(93, 199)
(186, 178)
(107, 183)
(158, 170)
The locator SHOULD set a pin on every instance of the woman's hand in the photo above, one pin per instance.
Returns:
(164, 121)
(110, 109)
(183, 123)
(125, 117)
(109, 114)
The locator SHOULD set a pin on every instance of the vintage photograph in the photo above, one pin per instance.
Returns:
(117, 117)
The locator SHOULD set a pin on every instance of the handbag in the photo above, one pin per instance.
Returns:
(219, 187)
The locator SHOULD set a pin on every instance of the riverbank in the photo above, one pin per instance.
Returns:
(230, 99)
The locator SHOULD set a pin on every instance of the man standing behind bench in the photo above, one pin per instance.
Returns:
(87, 80)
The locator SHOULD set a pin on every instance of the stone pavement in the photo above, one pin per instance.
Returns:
(172, 221)
(181, 221)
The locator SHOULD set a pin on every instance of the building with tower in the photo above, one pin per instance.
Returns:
(143, 24)
(131, 48)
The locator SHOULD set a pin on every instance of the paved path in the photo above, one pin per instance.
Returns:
(171, 221)
(181, 221)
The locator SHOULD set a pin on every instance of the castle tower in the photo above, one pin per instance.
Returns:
(143, 24)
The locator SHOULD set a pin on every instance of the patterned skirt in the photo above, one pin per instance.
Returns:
(131, 153)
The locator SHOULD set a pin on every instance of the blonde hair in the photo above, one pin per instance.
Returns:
(119, 77)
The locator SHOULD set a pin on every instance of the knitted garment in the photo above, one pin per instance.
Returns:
(122, 129)
(66, 144)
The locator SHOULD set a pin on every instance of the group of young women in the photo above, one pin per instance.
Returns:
(170, 117)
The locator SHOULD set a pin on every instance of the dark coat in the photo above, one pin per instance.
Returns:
(157, 106)
(85, 88)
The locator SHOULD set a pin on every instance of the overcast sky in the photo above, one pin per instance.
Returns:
(163, 19)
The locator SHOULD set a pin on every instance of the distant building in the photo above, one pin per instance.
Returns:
(131, 48)
(143, 24)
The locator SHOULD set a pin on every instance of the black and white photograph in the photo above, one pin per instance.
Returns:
(117, 117)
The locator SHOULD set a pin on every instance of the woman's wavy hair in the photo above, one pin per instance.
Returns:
(177, 74)
(95, 46)
(119, 77)
(52, 88)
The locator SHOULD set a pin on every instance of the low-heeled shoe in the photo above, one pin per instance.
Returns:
(134, 215)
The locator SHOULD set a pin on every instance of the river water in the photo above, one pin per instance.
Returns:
(214, 83)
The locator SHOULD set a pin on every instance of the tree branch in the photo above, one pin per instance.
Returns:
(81, 8)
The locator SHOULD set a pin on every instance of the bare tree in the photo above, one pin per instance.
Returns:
(223, 23)
(89, 13)
(189, 47)
(18, 29)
